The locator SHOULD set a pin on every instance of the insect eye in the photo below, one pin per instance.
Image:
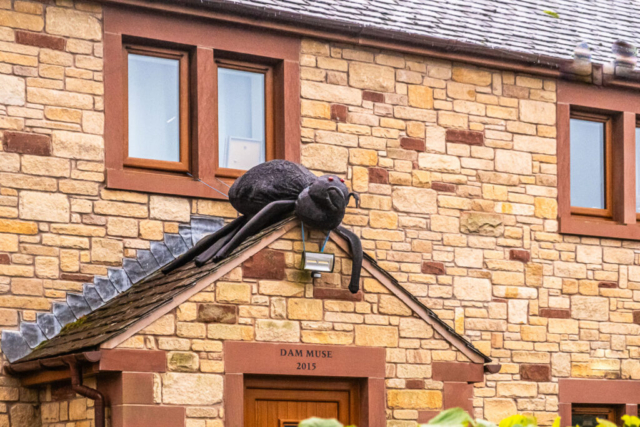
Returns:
(330, 178)
(341, 180)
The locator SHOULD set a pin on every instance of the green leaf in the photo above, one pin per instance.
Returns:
(485, 423)
(605, 423)
(518, 420)
(631, 421)
(551, 13)
(452, 417)
(319, 422)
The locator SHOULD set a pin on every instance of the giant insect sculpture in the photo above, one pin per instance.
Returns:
(269, 192)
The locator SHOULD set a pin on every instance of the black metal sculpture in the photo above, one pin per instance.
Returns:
(269, 192)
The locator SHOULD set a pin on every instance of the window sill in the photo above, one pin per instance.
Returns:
(598, 227)
(150, 182)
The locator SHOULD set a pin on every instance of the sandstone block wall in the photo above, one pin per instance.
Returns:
(456, 166)
(268, 299)
(457, 169)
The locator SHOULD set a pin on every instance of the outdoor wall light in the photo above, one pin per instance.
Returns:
(318, 262)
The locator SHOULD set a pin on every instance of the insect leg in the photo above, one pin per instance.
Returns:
(356, 253)
(204, 244)
(213, 249)
(270, 214)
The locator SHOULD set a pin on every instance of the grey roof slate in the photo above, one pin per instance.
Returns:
(514, 25)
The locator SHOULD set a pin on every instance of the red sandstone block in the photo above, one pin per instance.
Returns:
(148, 416)
(413, 144)
(27, 143)
(267, 264)
(465, 137)
(334, 293)
(426, 416)
(464, 372)
(415, 384)
(378, 176)
(607, 285)
(442, 186)
(636, 317)
(458, 395)
(40, 40)
(339, 112)
(430, 267)
(5, 259)
(535, 372)
(75, 277)
(519, 255)
(555, 313)
(372, 96)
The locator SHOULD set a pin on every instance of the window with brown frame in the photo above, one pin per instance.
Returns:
(597, 161)
(587, 415)
(637, 163)
(591, 171)
(157, 108)
(245, 116)
(190, 105)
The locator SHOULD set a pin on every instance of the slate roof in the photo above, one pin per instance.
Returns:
(139, 301)
(18, 344)
(156, 290)
(513, 25)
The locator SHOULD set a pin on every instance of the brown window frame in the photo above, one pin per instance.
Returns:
(184, 165)
(267, 70)
(612, 413)
(621, 107)
(575, 393)
(608, 175)
(208, 42)
(634, 162)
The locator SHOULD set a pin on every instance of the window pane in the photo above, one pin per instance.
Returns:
(241, 119)
(586, 420)
(637, 171)
(587, 164)
(154, 108)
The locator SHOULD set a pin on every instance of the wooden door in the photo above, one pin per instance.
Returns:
(279, 402)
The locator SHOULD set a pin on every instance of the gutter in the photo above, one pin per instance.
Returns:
(72, 362)
(53, 363)
(358, 34)
(82, 390)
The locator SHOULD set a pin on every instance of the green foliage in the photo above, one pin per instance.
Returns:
(458, 417)
(551, 13)
(605, 423)
(320, 422)
(452, 417)
(518, 421)
(631, 421)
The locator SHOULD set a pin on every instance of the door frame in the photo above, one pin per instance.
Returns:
(244, 360)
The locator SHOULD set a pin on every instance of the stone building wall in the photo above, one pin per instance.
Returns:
(61, 406)
(456, 167)
(268, 299)
(59, 226)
